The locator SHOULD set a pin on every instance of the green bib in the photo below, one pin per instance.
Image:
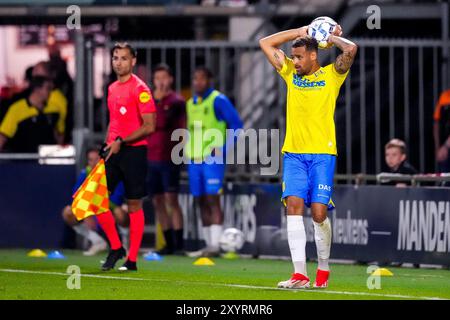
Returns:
(205, 131)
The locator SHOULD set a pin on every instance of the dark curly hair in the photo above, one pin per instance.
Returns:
(309, 43)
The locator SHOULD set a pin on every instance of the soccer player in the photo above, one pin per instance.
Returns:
(131, 120)
(163, 174)
(207, 110)
(310, 144)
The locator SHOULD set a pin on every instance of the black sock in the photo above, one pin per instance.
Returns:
(168, 236)
(179, 241)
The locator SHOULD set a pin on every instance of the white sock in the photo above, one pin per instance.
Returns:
(297, 242)
(207, 235)
(322, 235)
(84, 231)
(216, 232)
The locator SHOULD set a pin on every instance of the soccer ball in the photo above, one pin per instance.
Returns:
(232, 240)
(320, 29)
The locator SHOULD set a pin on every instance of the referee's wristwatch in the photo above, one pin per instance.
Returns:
(119, 138)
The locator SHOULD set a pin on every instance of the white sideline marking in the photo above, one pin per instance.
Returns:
(421, 275)
(351, 293)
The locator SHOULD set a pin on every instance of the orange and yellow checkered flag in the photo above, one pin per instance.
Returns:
(92, 196)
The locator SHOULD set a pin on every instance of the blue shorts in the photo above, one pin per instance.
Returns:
(163, 177)
(206, 178)
(310, 177)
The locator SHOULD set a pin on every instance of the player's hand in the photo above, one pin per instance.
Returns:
(337, 31)
(302, 32)
(442, 154)
(113, 148)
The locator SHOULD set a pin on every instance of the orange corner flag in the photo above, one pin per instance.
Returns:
(92, 196)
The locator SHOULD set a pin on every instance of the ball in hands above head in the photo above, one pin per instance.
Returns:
(321, 28)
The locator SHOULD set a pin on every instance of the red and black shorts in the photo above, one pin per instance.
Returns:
(130, 166)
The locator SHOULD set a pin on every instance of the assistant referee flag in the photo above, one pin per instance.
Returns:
(92, 196)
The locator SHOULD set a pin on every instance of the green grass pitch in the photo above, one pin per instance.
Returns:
(176, 278)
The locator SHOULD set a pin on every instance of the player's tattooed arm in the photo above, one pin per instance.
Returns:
(270, 44)
(345, 60)
(279, 58)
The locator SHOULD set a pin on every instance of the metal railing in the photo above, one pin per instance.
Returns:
(390, 92)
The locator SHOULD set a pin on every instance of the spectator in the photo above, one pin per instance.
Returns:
(395, 156)
(32, 121)
(89, 228)
(63, 83)
(6, 102)
(163, 174)
(442, 132)
(57, 99)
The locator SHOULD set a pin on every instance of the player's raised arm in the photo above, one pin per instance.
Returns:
(270, 44)
(345, 60)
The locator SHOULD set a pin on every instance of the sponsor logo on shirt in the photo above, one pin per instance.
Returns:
(123, 110)
(144, 97)
(305, 83)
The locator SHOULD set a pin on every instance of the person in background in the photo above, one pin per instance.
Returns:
(63, 84)
(441, 132)
(396, 160)
(208, 109)
(32, 121)
(57, 99)
(6, 103)
(163, 175)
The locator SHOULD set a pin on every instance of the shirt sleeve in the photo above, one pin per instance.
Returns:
(287, 69)
(80, 180)
(62, 110)
(180, 115)
(144, 99)
(338, 77)
(441, 102)
(225, 111)
(8, 127)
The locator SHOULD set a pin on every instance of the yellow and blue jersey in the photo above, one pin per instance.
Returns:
(310, 143)
(311, 101)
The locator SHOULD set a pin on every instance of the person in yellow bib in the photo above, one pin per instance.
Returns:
(310, 144)
(33, 119)
(209, 114)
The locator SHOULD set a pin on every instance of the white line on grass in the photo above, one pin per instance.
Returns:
(420, 275)
(326, 291)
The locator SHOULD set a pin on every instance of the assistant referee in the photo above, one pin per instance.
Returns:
(132, 118)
